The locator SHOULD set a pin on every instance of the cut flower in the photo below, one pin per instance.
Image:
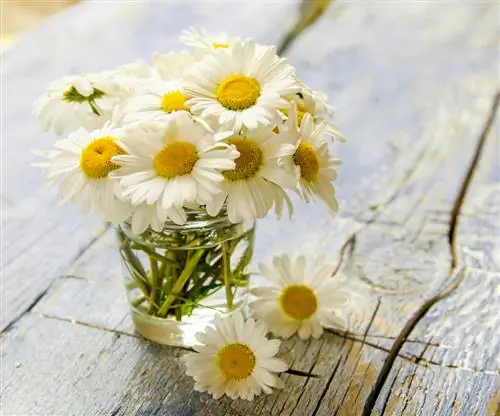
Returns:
(242, 86)
(174, 163)
(235, 358)
(299, 299)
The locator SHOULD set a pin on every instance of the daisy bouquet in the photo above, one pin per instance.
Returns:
(182, 156)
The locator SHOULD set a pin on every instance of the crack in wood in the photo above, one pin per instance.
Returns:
(377, 209)
(307, 381)
(72, 276)
(51, 284)
(413, 341)
(325, 390)
(301, 373)
(454, 264)
(28, 309)
(358, 356)
(410, 358)
(310, 371)
(290, 371)
(418, 359)
(349, 244)
(115, 411)
(387, 398)
(89, 325)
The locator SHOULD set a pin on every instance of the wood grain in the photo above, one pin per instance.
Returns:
(462, 373)
(414, 84)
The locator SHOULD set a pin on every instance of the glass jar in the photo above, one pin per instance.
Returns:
(178, 279)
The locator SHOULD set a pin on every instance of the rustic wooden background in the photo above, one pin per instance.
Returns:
(416, 87)
(19, 15)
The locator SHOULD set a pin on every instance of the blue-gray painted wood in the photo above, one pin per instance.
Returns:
(413, 84)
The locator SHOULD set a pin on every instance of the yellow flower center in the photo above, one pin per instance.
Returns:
(238, 92)
(236, 361)
(174, 101)
(306, 158)
(298, 302)
(95, 160)
(220, 45)
(301, 111)
(175, 159)
(249, 161)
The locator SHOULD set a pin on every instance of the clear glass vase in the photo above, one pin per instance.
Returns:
(178, 279)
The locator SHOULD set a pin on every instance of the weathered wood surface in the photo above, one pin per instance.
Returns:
(415, 85)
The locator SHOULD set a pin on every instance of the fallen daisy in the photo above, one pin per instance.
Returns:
(300, 299)
(235, 358)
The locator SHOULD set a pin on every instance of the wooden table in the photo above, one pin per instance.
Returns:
(415, 84)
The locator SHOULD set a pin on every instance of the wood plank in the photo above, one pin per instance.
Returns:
(463, 374)
(405, 262)
(59, 368)
(401, 254)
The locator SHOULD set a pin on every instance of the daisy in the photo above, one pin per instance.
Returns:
(259, 177)
(137, 70)
(82, 164)
(132, 76)
(240, 86)
(144, 216)
(315, 164)
(171, 66)
(299, 299)
(316, 104)
(78, 101)
(235, 358)
(202, 40)
(155, 99)
(160, 95)
(173, 163)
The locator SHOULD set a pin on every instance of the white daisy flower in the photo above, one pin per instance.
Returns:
(299, 299)
(144, 216)
(315, 164)
(78, 101)
(82, 163)
(240, 86)
(131, 77)
(259, 177)
(316, 104)
(137, 70)
(156, 99)
(202, 40)
(172, 65)
(161, 94)
(173, 163)
(235, 358)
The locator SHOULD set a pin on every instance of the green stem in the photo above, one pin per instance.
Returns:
(154, 286)
(94, 107)
(246, 257)
(163, 270)
(188, 301)
(138, 301)
(128, 253)
(133, 264)
(132, 285)
(140, 281)
(181, 281)
(155, 255)
(227, 277)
